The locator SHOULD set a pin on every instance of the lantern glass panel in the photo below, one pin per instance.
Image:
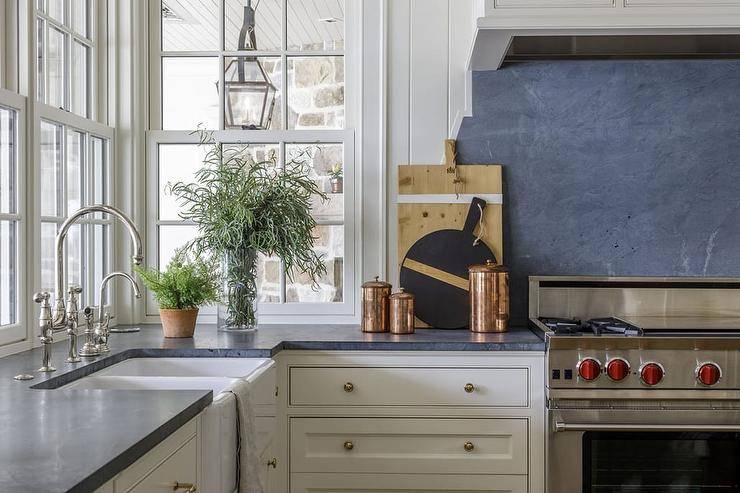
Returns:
(252, 99)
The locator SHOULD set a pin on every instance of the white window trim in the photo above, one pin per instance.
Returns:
(342, 312)
(18, 332)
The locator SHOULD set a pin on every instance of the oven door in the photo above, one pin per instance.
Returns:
(631, 451)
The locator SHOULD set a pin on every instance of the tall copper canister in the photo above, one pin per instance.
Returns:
(375, 306)
(402, 312)
(489, 297)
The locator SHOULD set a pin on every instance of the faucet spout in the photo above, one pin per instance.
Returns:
(137, 258)
(104, 285)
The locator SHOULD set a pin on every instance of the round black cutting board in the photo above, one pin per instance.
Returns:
(438, 303)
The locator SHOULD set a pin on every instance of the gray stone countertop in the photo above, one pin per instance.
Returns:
(54, 440)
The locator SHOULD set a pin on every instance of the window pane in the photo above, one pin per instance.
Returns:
(316, 92)
(54, 68)
(322, 160)
(268, 23)
(74, 253)
(79, 78)
(172, 238)
(177, 162)
(315, 26)
(98, 154)
(41, 58)
(75, 167)
(253, 96)
(79, 17)
(51, 169)
(329, 244)
(190, 26)
(189, 93)
(55, 9)
(8, 273)
(100, 260)
(269, 272)
(254, 152)
(48, 233)
(7, 161)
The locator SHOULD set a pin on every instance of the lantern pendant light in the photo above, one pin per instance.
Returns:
(249, 92)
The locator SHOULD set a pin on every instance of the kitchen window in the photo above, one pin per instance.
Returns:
(300, 55)
(12, 224)
(74, 170)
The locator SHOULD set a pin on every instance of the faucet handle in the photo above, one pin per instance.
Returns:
(74, 289)
(42, 298)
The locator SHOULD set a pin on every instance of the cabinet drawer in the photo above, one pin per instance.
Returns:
(405, 445)
(357, 386)
(180, 467)
(405, 483)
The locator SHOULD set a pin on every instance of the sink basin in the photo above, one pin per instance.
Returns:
(102, 382)
(185, 367)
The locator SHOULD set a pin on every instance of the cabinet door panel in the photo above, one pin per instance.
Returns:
(406, 445)
(405, 483)
(682, 3)
(544, 4)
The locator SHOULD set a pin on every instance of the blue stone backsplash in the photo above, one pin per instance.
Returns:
(626, 167)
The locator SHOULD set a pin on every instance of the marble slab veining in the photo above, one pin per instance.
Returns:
(76, 440)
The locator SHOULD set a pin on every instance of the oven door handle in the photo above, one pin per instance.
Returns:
(561, 426)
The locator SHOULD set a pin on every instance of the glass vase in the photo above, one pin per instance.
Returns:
(238, 310)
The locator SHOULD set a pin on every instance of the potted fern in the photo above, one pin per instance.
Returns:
(184, 286)
(336, 178)
(243, 207)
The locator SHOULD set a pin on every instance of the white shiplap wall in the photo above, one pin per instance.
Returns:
(428, 88)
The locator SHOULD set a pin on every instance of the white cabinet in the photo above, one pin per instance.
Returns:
(545, 4)
(682, 3)
(406, 422)
(173, 462)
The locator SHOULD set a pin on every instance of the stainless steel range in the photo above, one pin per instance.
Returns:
(643, 383)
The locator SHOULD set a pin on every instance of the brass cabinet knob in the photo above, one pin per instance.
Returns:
(272, 463)
(349, 387)
(468, 446)
(469, 388)
(190, 487)
(349, 445)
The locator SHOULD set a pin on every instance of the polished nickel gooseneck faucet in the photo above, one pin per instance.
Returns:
(65, 316)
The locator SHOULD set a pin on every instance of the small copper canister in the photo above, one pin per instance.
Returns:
(489, 297)
(375, 306)
(402, 312)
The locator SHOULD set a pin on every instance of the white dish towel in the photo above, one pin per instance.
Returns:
(249, 467)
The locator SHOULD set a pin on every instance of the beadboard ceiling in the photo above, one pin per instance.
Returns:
(192, 25)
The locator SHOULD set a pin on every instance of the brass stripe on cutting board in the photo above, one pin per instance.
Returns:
(440, 275)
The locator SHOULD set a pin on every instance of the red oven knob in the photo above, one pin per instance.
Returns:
(589, 369)
(617, 369)
(652, 373)
(708, 373)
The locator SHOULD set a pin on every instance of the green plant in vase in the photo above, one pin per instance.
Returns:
(245, 206)
(336, 178)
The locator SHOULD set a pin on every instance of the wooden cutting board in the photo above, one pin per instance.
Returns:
(436, 197)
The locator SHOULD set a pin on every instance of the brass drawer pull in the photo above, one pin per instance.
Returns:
(190, 487)
(469, 388)
(469, 447)
(349, 445)
(349, 387)
(272, 463)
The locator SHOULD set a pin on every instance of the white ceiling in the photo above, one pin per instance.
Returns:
(192, 25)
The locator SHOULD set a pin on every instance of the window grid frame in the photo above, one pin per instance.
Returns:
(70, 37)
(75, 123)
(17, 331)
(268, 312)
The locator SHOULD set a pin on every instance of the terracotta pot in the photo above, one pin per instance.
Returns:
(178, 323)
(337, 185)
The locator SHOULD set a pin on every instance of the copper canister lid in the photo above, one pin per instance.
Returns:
(489, 266)
(376, 284)
(402, 295)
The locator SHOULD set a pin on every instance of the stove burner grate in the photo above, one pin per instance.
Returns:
(596, 326)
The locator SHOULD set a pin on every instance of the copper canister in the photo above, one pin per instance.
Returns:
(375, 304)
(489, 297)
(402, 312)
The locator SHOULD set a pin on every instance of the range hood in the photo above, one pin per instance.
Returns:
(525, 34)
